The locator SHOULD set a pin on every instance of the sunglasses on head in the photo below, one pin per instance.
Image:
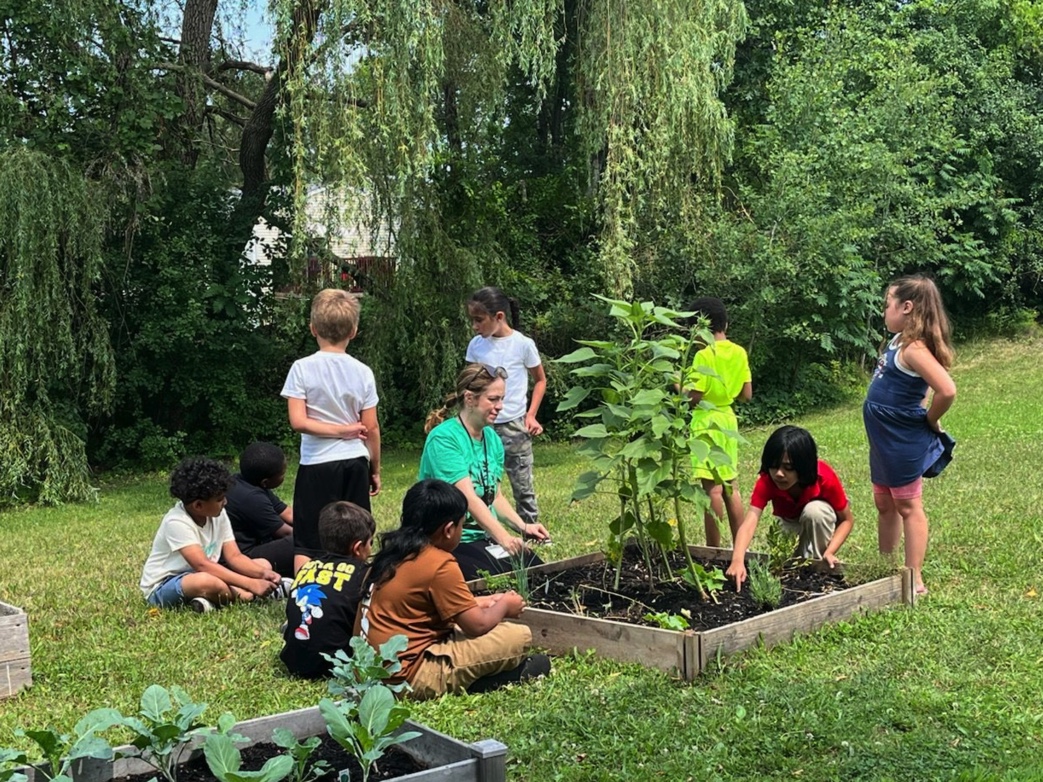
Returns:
(492, 372)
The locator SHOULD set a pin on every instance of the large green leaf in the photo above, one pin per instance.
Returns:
(594, 370)
(592, 431)
(222, 756)
(648, 397)
(573, 398)
(155, 703)
(577, 356)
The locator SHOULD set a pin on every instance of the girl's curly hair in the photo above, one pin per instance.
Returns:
(199, 478)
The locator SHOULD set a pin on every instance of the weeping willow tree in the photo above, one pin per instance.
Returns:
(55, 357)
(390, 102)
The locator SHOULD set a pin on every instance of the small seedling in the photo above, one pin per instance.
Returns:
(10, 762)
(365, 667)
(765, 587)
(367, 729)
(225, 762)
(499, 582)
(166, 722)
(668, 621)
(516, 579)
(61, 750)
(709, 581)
(781, 545)
(304, 769)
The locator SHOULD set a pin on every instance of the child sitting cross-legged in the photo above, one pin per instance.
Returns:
(184, 567)
(320, 614)
(415, 588)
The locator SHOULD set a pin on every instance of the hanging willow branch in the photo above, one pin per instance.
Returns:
(646, 76)
(55, 356)
(395, 63)
(650, 76)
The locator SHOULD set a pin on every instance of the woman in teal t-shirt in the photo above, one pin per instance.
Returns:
(463, 449)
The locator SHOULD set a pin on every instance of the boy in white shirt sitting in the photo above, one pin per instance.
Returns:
(183, 567)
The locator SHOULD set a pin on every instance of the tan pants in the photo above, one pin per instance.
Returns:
(455, 664)
(814, 529)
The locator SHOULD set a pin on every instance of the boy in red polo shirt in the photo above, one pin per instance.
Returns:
(806, 496)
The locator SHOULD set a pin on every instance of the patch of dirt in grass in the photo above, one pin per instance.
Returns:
(590, 590)
(393, 765)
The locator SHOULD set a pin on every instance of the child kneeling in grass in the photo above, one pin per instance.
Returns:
(320, 614)
(195, 535)
(415, 588)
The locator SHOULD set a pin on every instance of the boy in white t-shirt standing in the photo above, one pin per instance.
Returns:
(332, 399)
(195, 537)
(497, 344)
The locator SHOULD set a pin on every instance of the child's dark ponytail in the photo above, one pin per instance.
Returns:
(428, 505)
(494, 300)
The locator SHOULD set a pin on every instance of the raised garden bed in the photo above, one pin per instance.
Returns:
(690, 652)
(15, 671)
(440, 757)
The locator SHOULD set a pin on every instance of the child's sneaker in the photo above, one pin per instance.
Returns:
(282, 591)
(200, 605)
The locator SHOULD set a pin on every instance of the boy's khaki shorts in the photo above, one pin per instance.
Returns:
(453, 665)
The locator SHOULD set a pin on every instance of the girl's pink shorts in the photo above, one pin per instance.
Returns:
(908, 492)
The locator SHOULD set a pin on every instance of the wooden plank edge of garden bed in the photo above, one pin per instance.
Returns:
(560, 633)
(447, 758)
(780, 625)
(15, 664)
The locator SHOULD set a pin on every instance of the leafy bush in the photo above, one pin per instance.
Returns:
(201, 350)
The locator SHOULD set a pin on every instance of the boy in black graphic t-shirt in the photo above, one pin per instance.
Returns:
(320, 614)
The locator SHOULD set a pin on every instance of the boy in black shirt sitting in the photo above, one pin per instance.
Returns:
(320, 614)
(261, 522)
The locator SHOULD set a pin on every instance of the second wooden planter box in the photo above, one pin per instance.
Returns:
(15, 670)
(690, 652)
(445, 758)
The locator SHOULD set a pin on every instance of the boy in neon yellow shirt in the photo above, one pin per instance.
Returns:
(720, 375)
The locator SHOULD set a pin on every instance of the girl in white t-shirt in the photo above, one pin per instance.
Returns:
(499, 344)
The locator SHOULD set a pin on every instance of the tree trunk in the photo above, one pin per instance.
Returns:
(197, 24)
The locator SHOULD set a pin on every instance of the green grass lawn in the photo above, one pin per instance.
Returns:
(948, 690)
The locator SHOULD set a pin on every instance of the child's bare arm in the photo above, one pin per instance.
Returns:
(483, 618)
(919, 359)
(845, 521)
(372, 424)
(300, 422)
(743, 538)
(539, 388)
(256, 585)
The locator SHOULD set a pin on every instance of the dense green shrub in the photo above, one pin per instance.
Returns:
(200, 350)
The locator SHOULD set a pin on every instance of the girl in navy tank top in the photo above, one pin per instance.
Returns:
(903, 429)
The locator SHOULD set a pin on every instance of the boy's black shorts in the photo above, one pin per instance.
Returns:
(316, 487)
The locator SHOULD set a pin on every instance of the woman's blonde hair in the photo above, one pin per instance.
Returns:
(927, 321)
(474, 378)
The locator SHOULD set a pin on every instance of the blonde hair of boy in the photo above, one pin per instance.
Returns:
(334, 315)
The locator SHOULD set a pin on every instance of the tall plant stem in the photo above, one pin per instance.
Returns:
(662, 552)
(622, 516)
(684, 540)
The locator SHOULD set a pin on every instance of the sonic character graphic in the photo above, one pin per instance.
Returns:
(309, 600)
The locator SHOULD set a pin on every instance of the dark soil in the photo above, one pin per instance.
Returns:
(393, 765)
(590, 590)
